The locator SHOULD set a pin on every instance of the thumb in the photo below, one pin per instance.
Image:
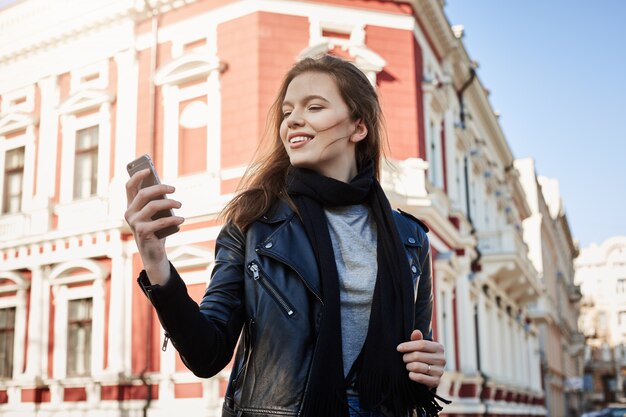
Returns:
(416, 335)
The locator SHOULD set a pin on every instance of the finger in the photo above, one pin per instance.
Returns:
(145, 195)
(424, 368)
(416, 335)
(434, 359)
(145, 213)
(147, 230)
(421, 345)
(134, 183)
(429, 380)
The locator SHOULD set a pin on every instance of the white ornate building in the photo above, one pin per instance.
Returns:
(601, 274)
(86, 86)
(552, 252)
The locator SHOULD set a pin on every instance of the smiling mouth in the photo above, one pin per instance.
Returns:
(300, 139)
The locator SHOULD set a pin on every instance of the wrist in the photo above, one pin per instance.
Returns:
(159, 272)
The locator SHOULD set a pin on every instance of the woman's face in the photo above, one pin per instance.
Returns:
(316, 130)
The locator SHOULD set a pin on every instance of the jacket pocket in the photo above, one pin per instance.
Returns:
(259, 276)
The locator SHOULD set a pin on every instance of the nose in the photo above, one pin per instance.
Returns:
(294, 119)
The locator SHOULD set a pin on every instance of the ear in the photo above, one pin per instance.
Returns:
(360, 131)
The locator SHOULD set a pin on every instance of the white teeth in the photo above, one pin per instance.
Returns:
(298, 139)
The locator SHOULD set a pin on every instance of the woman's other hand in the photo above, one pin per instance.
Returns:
(142, 205)
(424, 359)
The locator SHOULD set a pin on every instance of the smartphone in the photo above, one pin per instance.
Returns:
(141, 163)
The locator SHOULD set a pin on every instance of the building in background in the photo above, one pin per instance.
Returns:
(601, 274)
(85, 87)
(552, 251)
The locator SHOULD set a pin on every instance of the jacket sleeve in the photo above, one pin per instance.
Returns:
(205, 335)
(424, 300)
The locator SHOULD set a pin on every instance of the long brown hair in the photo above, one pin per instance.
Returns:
(265, 179)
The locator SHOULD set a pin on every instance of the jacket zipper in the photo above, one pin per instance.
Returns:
(257, 275)
(282, 260)
(165, 340)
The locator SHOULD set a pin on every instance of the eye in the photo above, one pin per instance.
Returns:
(315, 107)
(286, 113)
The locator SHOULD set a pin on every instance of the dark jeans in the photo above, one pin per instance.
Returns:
(354, 407)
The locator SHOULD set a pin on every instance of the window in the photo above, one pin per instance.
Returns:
(13, 180)
(86, 162)
(7, 334)
(79, 325)
(621, 286)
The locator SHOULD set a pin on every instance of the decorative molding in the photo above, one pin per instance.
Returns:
(85, 100)
(14, 121)
(188, 67)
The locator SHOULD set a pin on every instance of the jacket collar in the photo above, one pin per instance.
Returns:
(279, 212)
(289, 244)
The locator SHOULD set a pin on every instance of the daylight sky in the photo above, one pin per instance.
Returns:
(556, 70)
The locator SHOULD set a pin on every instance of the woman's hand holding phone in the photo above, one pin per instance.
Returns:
(143, 207)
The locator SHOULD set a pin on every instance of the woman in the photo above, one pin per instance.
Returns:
(331, 287)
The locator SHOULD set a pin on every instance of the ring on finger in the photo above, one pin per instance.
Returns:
(428, 370)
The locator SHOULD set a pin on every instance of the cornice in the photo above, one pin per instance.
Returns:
(433, 21)
(55, 26)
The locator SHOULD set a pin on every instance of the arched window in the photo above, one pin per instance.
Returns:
(79, 299)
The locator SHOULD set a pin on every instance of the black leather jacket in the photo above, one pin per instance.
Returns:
(267, 283)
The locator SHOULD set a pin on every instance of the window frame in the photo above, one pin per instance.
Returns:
(67, 285)
(80, 323)
(26, 141)
(93, 152)
(6, 197)
(11, 345)
(17, 300)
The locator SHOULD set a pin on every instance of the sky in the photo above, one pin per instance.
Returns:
(557, 74)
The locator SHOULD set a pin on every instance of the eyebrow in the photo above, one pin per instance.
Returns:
(307, 99)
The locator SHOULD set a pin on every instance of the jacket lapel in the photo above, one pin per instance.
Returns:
(289, 244)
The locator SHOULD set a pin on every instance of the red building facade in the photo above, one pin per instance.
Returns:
(191, 83)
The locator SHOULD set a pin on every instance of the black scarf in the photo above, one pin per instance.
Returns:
(381, 376)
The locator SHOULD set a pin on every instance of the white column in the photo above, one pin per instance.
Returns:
(500, 337)
(495, 369)
(35, 325)
(125, 130)
(20, 332)
(48, 130)
(68, 133)
(97, 338)
(527, 361)
(508, 348)
(519, 353)
(128, 283)
(104, 150)
(126, 117)
(60, 331)
(465, 325)
(535, 362)
(450, 145)
(483, 337)
(45, 321)
(428, 97)
(214, 132)
(117, 307)
(449, 330)
(171, 106)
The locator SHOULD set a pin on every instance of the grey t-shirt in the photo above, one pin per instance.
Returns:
(353, 235)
